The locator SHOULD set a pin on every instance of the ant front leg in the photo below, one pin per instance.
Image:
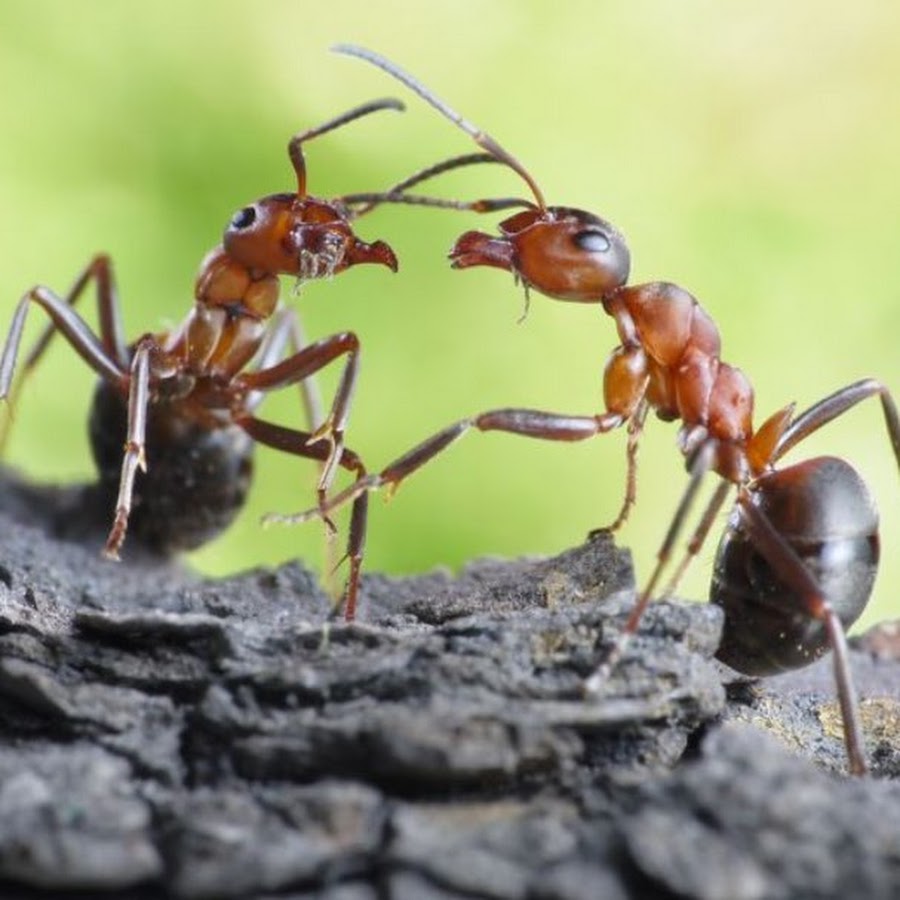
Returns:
(635, 429)
(299, 367)
(286, 331)
(625, 383)
(298, 443)
(532, 423)
(331, 431)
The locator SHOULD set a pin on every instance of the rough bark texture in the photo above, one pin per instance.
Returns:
(163, 735)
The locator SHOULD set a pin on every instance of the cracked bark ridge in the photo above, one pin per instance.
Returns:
(166, 735)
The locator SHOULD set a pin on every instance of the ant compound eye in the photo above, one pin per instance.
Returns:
(592, 240)
(243, 218)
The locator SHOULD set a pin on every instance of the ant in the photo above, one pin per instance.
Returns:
(182, 402)
(797, 561)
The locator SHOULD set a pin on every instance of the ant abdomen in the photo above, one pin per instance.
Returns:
(824, 511)
(196, 479)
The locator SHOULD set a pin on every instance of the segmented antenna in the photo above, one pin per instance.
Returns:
(482, 138)
(295, 147)
(365, 202)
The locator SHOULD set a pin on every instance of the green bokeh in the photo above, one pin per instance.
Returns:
(750, 153)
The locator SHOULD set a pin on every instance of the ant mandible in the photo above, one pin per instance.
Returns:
(796, 564)
(182, 403)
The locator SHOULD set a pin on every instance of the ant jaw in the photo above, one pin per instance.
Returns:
(475, 248)
(378, 252)
(324, 255)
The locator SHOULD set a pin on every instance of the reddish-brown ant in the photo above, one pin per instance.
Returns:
(182, 403)
(798, 558)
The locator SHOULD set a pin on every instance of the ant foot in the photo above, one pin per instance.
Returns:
(593, 684)
(325, 432)
(116, 536)
(330, 527)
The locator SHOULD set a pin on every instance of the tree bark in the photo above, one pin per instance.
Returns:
(166, 735)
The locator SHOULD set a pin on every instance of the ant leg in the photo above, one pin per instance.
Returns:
(312, 404)
(134, 458)
(72, 327)
(286, 331)
(699, 467)
(297, 368)
(525, 422)
(635, 429)
(331, 430)
(290, 440)
(699, 536)
(355, 545)
(790, 568)
(837, 404)
(99, 269)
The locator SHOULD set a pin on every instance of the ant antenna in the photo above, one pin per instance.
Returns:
(480, 137)
(397, 193)
(295, 149)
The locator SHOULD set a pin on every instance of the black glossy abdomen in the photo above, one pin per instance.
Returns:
(196, 480)
(825, 512)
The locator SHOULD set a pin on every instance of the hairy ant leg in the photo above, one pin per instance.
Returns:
(698, 538)
(98, 270)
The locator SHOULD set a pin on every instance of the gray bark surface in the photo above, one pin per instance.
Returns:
(163, 735)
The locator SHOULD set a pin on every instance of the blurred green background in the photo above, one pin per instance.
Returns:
(750, 152)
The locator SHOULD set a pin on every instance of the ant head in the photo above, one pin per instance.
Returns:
(564, 253)
(568, 254)
(287, 234)
(296, 234)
